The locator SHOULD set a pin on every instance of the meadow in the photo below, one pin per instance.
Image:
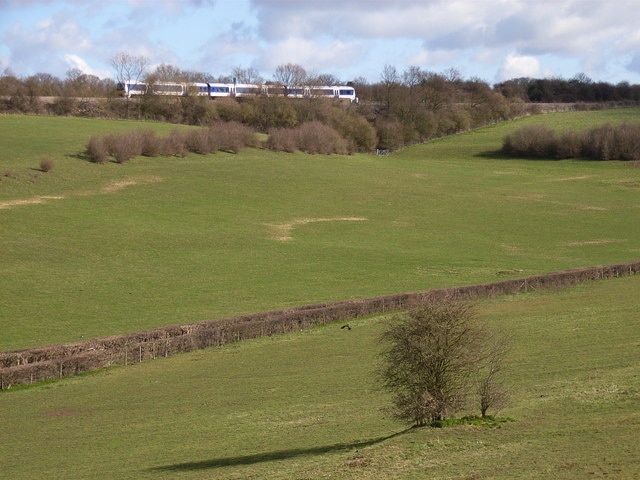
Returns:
(93, 250)
(306, 406)
(90, 250)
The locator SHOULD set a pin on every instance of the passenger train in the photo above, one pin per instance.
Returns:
(216, 90)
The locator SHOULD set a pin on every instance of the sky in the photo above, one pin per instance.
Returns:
(493, 40)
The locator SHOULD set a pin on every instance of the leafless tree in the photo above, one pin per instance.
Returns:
(167, 73)
(390, 80)
(432, 358)
(323, 79)
(129, 67)
(247, 75)
(290, 75)
(491, 393)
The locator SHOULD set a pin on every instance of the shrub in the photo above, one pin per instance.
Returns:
(310, 137)
(125, 146)
(47, 164)
(627, 141)
(569, 145)
(228, 109)
(316, 137)
(531, 141)
(607, 142)
(151, 145)
(97, 149)
(173, 144)
(282, 140)
(199, 141)
(232, 136)
(390, 134)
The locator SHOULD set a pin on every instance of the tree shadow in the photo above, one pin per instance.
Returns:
(270, 456)
(493, 155)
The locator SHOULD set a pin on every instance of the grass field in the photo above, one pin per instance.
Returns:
(305, 406)
(92, 250)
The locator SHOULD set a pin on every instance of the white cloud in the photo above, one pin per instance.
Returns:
(479, 38)
(76, 62)
(517, 66)
(312, 55)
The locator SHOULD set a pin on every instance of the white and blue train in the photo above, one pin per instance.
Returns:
(216, 90)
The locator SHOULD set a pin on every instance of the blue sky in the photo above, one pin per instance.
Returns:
(490, 39)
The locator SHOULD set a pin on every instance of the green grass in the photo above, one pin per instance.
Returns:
(305, 406)
(169, 240)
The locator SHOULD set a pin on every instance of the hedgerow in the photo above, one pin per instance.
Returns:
(605, 142)
(122, 147)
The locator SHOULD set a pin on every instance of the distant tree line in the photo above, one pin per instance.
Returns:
(402, 108)
(557, 90)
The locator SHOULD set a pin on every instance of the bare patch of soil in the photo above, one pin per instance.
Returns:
(283, 231)
(599, 241)
(128, 182)
(29, 201)
(110, 188)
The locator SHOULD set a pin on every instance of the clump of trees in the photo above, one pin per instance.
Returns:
(580, 88)
(605, 142)
(437, 358)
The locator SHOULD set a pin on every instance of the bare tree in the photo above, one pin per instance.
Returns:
(128, 67)
(324, 79)
(491, 393)
(390, 80)
(247, 75)
(431, 360)
(290, 75)
(167, 73)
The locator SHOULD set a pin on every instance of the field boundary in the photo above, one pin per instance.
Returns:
(27, 366)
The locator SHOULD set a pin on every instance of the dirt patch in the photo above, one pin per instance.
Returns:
(29, 201)
(570, 179)
(282, 231)
(599, 241)
(129, 182)
(110, 188)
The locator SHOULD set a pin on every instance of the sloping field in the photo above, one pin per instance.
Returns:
(305, 406)
(94, 250)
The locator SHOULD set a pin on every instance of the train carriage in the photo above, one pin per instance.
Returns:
(216, 90)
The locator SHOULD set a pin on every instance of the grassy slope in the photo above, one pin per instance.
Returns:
(164, 241)
(304, 406)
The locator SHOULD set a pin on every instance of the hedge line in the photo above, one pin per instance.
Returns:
(55, 361)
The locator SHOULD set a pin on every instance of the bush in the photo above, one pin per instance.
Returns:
(125, 146)
(174, 144)
(47, 164)
(97, 150)
(311, 137)
(569, 145)
(200, 141)
(606, 142)
(316, 137)
(232, 136)
(282, 140)
(151, 145)
(531, 141)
